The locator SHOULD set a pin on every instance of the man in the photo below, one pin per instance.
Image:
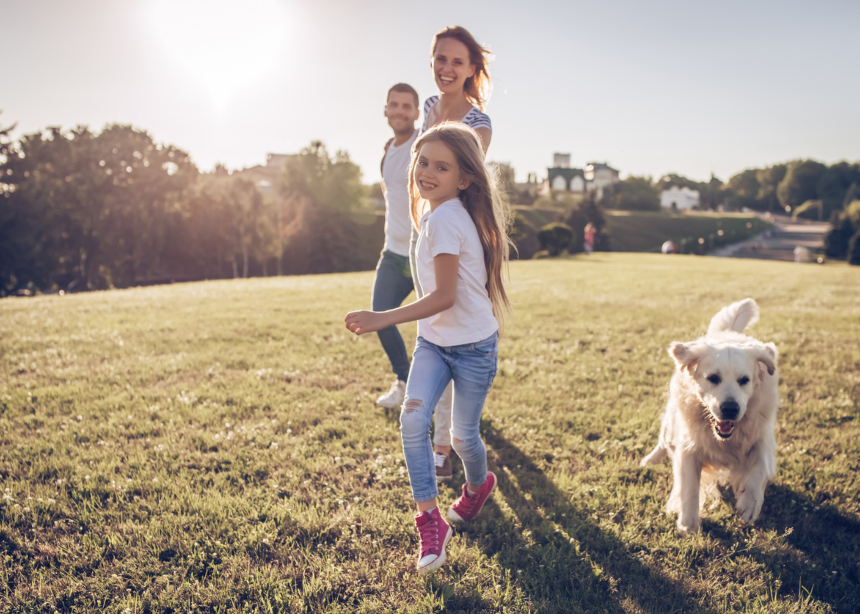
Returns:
(393, 281)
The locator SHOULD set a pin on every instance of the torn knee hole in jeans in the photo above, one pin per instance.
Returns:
(412, 404)
(455, 440)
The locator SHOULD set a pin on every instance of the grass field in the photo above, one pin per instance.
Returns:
(642, 231)
(215, 447)
(645, 231)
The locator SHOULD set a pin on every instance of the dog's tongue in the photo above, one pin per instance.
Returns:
(725, 426)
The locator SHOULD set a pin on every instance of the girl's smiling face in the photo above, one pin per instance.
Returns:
(451, 65)
(437, 174)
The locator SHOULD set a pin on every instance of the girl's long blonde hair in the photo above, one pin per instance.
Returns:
(485, 202)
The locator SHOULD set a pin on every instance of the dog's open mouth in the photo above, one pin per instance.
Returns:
(724, 428)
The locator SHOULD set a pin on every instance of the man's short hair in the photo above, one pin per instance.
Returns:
(404, 88)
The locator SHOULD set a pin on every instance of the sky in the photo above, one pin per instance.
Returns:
(651, 88)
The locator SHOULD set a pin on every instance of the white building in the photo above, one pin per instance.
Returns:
(600, 175)
(678, 199)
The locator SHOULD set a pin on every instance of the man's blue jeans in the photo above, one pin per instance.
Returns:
(391, 286)
(472, 367)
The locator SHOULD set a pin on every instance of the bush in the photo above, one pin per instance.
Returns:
(837, 239)
(581, 214)
(637, 194)
(854, 249)
(524, 237)
(555, 238)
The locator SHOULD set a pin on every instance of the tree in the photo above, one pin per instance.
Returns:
(854, 249)
(800, 183)
(101, 205)
(636, 194)
(743, 189)
(769, 179)
(313, 174)
(711, 194)
(667, 181)
(319, 192)
(230, 225)
(834, 184)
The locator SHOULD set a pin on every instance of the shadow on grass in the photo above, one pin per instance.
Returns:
(827, 544)
(582, 567)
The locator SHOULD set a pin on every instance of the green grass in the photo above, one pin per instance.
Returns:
(215, 447)
(645, 231)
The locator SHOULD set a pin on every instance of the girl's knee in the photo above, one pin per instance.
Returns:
(413, 420)
(467, 445)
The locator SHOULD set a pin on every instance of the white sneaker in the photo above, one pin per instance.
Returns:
(394, 397)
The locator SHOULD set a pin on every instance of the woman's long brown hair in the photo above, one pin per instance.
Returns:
(486, 204)
(477, 87)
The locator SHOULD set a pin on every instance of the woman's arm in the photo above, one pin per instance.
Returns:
(445, 268)
(486, 134)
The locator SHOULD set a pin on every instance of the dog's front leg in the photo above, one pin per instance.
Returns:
(750, 487)
(688, 475)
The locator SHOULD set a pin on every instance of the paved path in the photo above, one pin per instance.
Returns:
(779, 242)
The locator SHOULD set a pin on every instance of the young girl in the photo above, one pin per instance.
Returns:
(589, 231)
(462, 247)
(459, 66)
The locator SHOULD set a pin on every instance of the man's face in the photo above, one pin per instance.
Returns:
(401, 112)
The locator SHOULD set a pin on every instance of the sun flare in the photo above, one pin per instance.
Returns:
(227, 46)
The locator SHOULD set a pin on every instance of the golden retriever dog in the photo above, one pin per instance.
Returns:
(720, 418)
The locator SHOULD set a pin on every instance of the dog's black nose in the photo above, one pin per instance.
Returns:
(730, 410)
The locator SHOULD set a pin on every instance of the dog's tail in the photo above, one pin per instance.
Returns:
(736, 317)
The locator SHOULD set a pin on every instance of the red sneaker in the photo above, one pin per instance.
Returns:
(435, 534)
(466, 508)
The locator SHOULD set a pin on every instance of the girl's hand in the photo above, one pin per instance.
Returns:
(360, 322)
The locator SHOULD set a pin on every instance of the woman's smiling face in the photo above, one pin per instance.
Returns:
(451, 65)
(437, 174)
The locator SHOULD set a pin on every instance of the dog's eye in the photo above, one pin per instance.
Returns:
(714, 379)
(744, 381)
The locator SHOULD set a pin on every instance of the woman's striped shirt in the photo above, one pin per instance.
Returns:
(475, 118)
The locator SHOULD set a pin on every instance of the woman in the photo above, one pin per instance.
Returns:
(459, 67)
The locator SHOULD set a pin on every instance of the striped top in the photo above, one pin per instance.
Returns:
(475, 118)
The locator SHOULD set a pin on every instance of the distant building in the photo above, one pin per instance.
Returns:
(562, 178)
(678, 199)
(600, 175)
(531, 183)
(561, 160)
(265, 177)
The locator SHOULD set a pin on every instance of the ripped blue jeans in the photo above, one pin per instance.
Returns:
(472, 367)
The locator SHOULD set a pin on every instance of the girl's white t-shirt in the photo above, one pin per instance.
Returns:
(450, 230)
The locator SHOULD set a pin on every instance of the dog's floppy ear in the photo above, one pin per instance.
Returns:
(685, 355)
(767, 355)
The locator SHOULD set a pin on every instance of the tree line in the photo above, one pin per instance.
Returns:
(83, 210)
(80, 210)
(800, 187)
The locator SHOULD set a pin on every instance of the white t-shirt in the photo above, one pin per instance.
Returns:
(450, 230)
(395, 177)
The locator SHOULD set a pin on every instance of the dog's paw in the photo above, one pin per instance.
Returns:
(749, 506)
(655, 458)
(690, 527)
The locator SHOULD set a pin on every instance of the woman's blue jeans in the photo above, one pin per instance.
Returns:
(472, 367)
(391, 286)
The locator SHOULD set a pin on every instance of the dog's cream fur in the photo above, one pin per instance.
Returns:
(720, 418)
